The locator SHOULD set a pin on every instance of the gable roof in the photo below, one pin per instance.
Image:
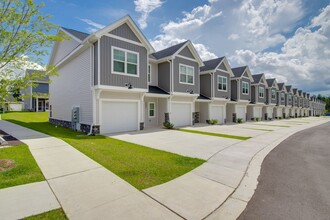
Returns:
(295, 91)
(272, 82)
(300, 92)
(281, 86)
(257, 78)
(75, 34)
(239, 72)
(213, 65)
(42, 78)
(288, 88)
(168, 51)
(174, 50)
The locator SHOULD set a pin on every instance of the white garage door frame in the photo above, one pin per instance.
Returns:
(101, 101)
(182, 102)
(223, 112)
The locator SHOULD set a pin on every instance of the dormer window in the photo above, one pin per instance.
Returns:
(125, 62)
(222, 83)
(186, 74)
(245, 88)
(261, 92)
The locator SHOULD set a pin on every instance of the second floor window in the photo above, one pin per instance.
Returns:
(245, 88)
(125, 62)
(290, 98)
(222, 83)
(261, 92)
(149, 73)
(186, 74)
(282, 97)
(273, 94)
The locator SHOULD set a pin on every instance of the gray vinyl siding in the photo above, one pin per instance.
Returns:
(96, 66)
(41, 88)
(72, 87)
(221, 94)
(234, 89)
(110, 79)
(125, 31)
(246, 74)
(253, 94)
(186, 53)
(223, 67)
(205, 84)
(164, 72)
(245, 97)
(179, 87)
(27, 98)
(263, 100)
(154, 74)
(62, 49)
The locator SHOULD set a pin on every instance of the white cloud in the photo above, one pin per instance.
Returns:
(233, 37)
(145, 7)
(213, 1)
(304, 59)
(93, 26)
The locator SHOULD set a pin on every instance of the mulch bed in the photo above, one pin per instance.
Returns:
(6, 164)
(11, 141)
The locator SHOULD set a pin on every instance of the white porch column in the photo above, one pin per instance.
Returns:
(37, 105)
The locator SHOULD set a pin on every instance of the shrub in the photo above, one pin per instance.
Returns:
(212, 121)
(257, 119)
(269, 119)
(168, 125)
(280, 118)
(240, 120)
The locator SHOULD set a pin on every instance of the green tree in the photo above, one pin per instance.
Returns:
(25, 36)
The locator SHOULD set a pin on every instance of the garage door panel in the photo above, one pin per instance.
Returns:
(119, 117)
(217, 113)
(181, 114)
(240, 112)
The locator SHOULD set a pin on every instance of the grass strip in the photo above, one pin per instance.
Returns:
(259, 129)
(215, 134)
(25, 169)
(283, 126)
(56, 214)
(141, 166)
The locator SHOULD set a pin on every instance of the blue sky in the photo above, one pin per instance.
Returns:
(286, 39)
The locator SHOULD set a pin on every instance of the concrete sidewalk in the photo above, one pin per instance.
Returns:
(84, 188)
(26, 200)
(221, 188)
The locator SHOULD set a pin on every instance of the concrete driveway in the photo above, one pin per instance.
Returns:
(182, 143)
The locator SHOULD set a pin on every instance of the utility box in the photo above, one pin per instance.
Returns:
(75, 115)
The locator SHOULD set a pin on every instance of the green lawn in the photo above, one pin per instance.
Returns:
(141, 166)
(216, 134)
(56, 214)
(25, 171)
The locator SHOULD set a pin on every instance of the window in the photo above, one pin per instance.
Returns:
(290, 97)
(151, 109)
(245, 88)
(282, 96)
(125, 62)
(222, 83)
(295, 100)
(261, 92)
(186, 74)
(273, 94)
(149, 73)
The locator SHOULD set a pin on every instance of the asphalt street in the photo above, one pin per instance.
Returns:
(295, 179)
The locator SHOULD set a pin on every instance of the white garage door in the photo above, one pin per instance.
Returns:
(119, 117)
(181, 114)
(217, 113)
(15, 107)
(258, 112)
(240, 112)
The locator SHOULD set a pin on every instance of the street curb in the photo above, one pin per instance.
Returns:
(236, 203)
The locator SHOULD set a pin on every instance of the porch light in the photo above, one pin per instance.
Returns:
(190, 91)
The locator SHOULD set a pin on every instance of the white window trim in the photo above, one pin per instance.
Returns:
(248, 90)
(271, 91)
(149, 116)
(193, 83)
(125, 66)
(149, 67)
(263, 92)
(221, 90)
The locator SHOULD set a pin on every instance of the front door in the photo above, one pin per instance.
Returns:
(41, 105)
